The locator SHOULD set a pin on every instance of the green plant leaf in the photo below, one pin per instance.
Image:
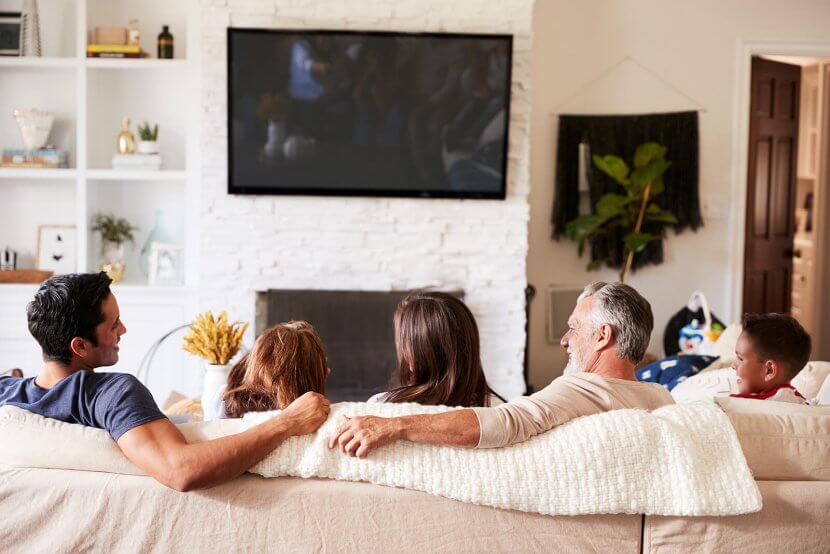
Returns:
(636, 242)
(581, 228)
(113, 229)
(595, 264)
(614, 167)
(642, 176)
(657, 186)
(611, 204)
(658, 214)
(647, 152)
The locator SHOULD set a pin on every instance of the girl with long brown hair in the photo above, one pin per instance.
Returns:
(287, 361)
(439, 362)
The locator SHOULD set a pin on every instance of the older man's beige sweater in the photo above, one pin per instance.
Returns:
(566, 398)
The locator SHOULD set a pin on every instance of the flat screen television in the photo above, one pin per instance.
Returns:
(368, 113)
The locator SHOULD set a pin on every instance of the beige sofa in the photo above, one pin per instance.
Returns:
(57, 510)
(49, 510)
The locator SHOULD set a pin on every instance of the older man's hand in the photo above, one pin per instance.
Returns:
(357, 436)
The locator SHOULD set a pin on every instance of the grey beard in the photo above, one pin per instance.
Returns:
(573, 365)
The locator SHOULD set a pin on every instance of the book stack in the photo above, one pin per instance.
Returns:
(40, 158)
(136, 161)
(114, 51)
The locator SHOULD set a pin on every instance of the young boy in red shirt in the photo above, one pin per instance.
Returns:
(771, 350)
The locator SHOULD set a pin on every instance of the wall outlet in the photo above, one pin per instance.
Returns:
(715, 207)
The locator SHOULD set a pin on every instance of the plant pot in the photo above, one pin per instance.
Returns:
(112, 252)
(216, 378)
(112, 260)
(147, 147)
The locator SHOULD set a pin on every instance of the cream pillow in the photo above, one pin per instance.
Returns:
(823, 396)
(810, 379)
(724, 347)
(706, 385)
(781, 440)
(53, 444)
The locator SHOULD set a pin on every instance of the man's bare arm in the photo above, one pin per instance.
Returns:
(357, 436)
(160, 449)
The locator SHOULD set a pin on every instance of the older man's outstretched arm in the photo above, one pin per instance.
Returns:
(510, 423)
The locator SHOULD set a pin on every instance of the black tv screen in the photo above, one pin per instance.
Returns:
(368, 113)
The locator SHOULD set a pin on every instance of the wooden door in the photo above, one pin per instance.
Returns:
(773, 147)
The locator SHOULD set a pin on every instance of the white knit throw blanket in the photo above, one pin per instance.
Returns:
(679, 460)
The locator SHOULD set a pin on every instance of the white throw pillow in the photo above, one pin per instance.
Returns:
(823, 396)
(706, 385)
(810, 379)
(725, 345)
(82, 448)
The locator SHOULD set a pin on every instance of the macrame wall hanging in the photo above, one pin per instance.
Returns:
(579, 184)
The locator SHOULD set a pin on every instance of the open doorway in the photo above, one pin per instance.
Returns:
(787, 247)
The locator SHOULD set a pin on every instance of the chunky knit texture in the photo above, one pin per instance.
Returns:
(680, 460)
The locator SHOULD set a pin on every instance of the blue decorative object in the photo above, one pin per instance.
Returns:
(673, 370)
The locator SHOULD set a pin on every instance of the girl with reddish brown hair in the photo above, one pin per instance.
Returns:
(439, 362)
(287, 361)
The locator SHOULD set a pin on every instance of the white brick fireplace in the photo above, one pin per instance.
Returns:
(252, 243)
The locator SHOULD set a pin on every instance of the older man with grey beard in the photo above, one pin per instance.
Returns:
(608, 333)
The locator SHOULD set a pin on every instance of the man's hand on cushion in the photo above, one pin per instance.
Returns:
(357, 436)
(307, 413)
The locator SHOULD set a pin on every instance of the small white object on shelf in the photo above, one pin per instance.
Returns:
(147, 147)
(34, 126)
(136, 161)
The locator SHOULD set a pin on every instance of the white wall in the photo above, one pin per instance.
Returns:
(256, 243)
(692, 45)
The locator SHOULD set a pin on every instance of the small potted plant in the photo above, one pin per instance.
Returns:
(216, 341)
(148, 139)
(115, 231)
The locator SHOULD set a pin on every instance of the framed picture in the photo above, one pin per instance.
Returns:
(10, 33)
(166, 264)
(56, 248)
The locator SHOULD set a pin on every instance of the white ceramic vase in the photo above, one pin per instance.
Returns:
(112, 252)
(35, 126)
(216, 378)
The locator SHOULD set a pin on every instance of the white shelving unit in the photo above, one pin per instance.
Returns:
(67, 63)
(11, 173)
(89, 98)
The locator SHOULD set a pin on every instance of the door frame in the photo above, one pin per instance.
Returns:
(740, 153)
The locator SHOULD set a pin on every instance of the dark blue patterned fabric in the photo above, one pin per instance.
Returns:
(673, 370)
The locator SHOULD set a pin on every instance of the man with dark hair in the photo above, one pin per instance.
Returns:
(76, 320)
(771, 350)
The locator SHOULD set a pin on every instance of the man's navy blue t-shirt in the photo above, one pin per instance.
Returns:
(116, 402)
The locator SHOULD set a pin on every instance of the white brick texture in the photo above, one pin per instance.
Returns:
(255, 243)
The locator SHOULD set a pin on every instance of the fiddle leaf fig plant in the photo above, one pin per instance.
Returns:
(621, 214)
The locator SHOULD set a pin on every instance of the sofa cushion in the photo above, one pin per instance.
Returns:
(80, 447)
(810, 379)
(706, 385)
(781, 440)
(724, 347)
(823, 396)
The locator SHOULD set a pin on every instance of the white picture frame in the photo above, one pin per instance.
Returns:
(56, 249)
(166, 264)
